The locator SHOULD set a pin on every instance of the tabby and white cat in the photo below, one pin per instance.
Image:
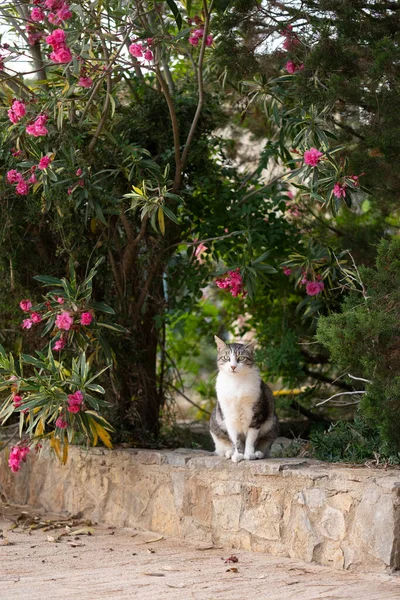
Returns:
(243, 424)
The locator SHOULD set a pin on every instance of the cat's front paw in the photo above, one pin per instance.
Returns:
(237, 457)
(229, 453)
(253, 455)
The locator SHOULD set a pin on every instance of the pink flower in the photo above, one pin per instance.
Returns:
(233, 282)
(22, 189)
(57, 38)
(313, 288)
(60, 300)
(17, 111)
(27, 324)
(61, 424)
(75, 402)
(37, 14)
(209, 40)
(193, 40)
(81, 182)
(36, 317)
(44, 162)
(339, 190)
(290, 67)
(15, 152)
(85, 82)
(199, 33)
(78, 172)
(17, 455)
(86, 318)
(64, 321)
(312, 157)
(17, 399)
(287, 271)
(59, 344)
(64, 13)
(32, 178)
(14, 176)
(37, 128)
(25, 305)
(136, 50)
(12, 116)
(201, 249)
(148, 55)
(61, 55)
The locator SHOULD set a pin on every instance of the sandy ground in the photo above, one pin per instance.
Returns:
(47, 556)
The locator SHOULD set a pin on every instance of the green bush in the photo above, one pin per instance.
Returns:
(364, 340)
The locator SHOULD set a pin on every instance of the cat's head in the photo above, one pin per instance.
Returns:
(235, 358)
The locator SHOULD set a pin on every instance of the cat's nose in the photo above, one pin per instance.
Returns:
(233, 367)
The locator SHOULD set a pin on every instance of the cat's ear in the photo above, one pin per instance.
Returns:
(220, 343)
(251, 346)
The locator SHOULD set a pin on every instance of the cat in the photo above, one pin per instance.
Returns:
(243, 424)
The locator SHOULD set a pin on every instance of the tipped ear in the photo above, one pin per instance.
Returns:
(251, 345)
(220, 344)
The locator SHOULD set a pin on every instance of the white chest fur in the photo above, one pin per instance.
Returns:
(237, 394)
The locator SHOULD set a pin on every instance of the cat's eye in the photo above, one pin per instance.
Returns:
(241, 358)
(226, 357)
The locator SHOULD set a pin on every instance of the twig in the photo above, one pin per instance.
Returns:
(341, 394)
(188, 399)
(358, 378)
(261, 189)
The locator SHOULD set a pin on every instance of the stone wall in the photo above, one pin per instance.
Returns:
(348, 518)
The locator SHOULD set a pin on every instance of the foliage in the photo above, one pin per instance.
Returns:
(364, 339)
(348, 442)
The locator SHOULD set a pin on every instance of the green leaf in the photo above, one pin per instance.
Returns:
(48, 280)
(175, 12)
(114, 327)
(102, 307)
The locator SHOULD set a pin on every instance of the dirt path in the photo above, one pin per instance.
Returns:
(62, 563)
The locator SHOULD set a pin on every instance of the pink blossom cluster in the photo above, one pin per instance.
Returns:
(312, 157)
(34, 34)
(142, 50)
(339, 190)
(313, 288)
(86, 318)
(17, 111)
(64, 321)
(287, 271)
(196, 35)
(34, 317)
(44, 162)
(61, 423)
(17, 400)
(291, 67)
(233, 282)
(75, 402)
(61, 53)
(16, 178)
(59, 11)
(18, 454)
(59, 344)
(38, 127)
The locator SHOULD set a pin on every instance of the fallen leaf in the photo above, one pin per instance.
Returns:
(209, 548)
(83, 531)
(151, 551)
(6, 542)
(155, 574)
(73, 545)
(153, 540)
(233, 570)
(178, 586)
